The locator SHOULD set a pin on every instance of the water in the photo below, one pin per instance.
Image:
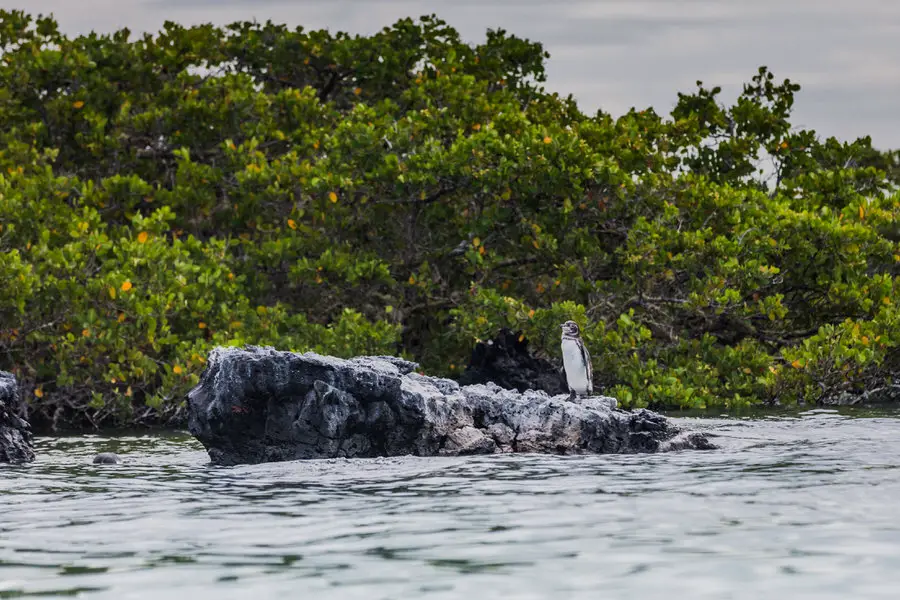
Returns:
(615, 54)
(792, 507)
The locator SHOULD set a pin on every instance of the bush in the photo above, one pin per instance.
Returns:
(407, 193)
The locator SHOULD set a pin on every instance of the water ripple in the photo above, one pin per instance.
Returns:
(798, 506)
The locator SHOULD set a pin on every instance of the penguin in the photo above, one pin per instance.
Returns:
(576, 361)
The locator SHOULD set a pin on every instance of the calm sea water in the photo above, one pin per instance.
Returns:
(615, 54)
(792, 507)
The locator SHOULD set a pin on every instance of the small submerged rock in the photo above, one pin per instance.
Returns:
(107, 458)
(256, 405)
(15, 432)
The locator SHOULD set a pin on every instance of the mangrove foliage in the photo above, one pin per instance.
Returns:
(410, 193)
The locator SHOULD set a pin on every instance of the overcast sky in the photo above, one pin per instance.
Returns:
(615, 54)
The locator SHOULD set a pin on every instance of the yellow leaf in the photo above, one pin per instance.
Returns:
(481, 251)
(865, 340)
(78, 104)
(126, 285)
(357, 91)
(292, 224)
(476, 242)
(39, 392)
(142, 237)
(476, 126)
(747, 371)
(886, 300)
(535, 244)
(797, 364)
(112, 292)
(121, 317)
(235, 324)
(547, 140)
(86, 332)
(522, 338)
(128, 392)
(332, 196)
(531, 313)
(177, 370)
(862, 212)
(412, 280)
(201, 325)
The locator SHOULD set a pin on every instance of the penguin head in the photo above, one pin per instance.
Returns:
(570, 328)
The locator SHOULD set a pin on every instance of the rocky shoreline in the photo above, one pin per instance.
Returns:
(15, 432)
(256, 405)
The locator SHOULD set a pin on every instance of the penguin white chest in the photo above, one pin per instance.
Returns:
(576, 370)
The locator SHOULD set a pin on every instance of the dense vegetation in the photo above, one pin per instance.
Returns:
(409, 193)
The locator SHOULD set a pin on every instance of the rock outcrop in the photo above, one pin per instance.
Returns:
(506, 361)
(888, 395)
(255, 405)
(15, 432)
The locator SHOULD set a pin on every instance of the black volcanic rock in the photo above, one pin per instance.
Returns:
(256, 405)
(15, 432)
(107, 458)
(507, 362)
